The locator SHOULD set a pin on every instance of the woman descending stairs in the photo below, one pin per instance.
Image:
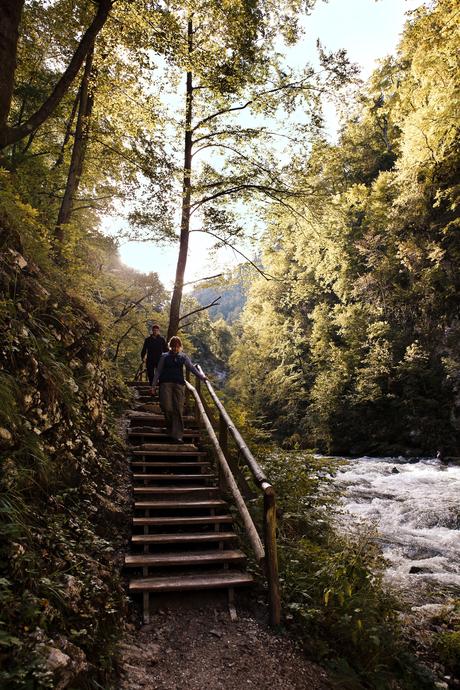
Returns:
(182, 536)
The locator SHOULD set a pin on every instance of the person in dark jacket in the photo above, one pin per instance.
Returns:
(154, 346)
(170, 376)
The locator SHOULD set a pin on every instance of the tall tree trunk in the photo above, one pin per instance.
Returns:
(9, 135)
(174, 313)
(10, 18)
(79, 148)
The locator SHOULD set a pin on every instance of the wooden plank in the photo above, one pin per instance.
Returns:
(191, 582)
(271, 556)
(181, 447)
(158, 433)
(150, 406)
(175, 489)
(151, 416)
(168, 454)
(181, 505)
(185, 558)
(172, 477)
(184, 538)
(182, 520)
(178, 465)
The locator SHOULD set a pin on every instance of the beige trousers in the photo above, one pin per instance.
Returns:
(172, 396)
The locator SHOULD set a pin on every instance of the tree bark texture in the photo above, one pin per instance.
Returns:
(174, 313)
(10, 18)
(9, 135)
(82, 127)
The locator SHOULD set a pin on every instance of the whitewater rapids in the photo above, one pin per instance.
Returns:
(416, 513)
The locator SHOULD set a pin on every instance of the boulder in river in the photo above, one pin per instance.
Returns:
(419, 570)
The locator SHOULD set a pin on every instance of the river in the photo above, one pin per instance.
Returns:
(415, 509)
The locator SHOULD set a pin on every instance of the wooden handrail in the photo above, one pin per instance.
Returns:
(253, 535)
(250, 460)
(267, 555)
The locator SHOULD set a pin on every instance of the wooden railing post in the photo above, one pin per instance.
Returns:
(197, 411)
(271, 555)
(187, 394)
(223, 435)
(223, 443)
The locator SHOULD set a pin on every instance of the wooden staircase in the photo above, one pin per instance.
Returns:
(182, 536)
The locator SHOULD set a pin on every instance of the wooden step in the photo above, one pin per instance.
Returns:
(172, 477)
(170, 490)
(183, 538)
(169, 454)
(219, 580)
(183, 520)
(151, 406)
(136, 416)
(185, 558)
(181, 504)
(170, 465)
(155, 432)
(167, 446)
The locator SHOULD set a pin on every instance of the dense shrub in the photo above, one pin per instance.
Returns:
(61, 472)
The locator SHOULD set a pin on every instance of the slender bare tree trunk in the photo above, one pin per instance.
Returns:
(174, 314)
(79, 148)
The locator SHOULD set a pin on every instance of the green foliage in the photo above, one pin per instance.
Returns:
(357, 336)
(446, 640)
(61, 516)
(448, 648)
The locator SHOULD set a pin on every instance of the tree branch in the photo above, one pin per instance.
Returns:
(189, 323)
(233, 190)
(267, 276)
(190, 282)
(228, 132)
(208, 306)
(117, 349)
(9, 135)
(241, 155)
(296, 84)
(128, 308)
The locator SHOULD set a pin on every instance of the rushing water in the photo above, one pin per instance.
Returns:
(416, 510)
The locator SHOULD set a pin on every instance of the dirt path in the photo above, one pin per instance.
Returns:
(202, 649)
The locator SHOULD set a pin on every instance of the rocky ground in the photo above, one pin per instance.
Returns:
(200, 648)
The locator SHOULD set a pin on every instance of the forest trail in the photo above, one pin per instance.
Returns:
(199, 648)
(183, 540)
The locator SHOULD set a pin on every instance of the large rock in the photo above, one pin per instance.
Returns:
(68, 665)
(6, 438)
